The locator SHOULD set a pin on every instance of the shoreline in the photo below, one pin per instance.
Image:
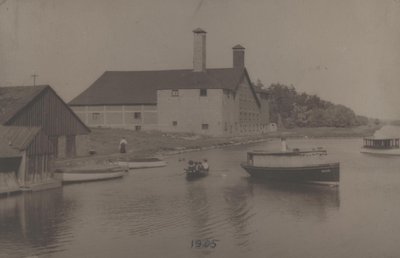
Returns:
(156, 144)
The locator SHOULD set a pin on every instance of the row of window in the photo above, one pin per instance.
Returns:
(128, 108)
(175, 93)
(98, 116)
(243, 128)
(203, 126)
(203, 93)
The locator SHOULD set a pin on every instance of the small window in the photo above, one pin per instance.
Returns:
(204, 126)
(175, 123)
(203, 92)
(174, 93)
(95, 116)
(137, 115)
(138, 128)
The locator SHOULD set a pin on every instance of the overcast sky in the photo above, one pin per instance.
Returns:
(346, 51)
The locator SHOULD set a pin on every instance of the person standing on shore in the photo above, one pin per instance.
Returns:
(284, 146)
(122, 145)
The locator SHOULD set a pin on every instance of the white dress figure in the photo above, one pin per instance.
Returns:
(122, 145)
(284, 145)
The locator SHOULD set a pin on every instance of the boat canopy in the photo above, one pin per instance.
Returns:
(381, 143)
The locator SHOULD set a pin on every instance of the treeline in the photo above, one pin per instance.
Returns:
(292, 109)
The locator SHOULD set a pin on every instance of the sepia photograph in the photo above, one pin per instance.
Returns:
(199, 128)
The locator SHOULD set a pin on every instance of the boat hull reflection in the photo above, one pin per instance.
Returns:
(318, 174)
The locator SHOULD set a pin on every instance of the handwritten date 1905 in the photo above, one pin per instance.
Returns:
(205, 243)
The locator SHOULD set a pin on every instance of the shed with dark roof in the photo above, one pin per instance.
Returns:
(40, 106)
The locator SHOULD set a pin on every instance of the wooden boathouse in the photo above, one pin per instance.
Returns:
(40, 106)
(36, 127)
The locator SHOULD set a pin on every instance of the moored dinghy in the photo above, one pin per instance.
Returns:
(134, 163)
(308, 166)
(89, 173)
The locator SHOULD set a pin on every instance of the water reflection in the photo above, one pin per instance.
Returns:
(299, 200)
(239, 211)
(199, 209)
(34, 223)
(157, 213)
(143, 214)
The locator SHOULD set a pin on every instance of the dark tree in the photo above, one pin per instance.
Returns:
(302, 110)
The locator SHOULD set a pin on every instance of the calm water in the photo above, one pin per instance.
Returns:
(157, 213)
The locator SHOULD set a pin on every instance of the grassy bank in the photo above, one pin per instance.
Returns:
(105, 141)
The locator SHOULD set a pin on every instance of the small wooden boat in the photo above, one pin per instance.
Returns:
(194, 173)
(89, 173)
(310, 166)
(142, 163)
(381, 146)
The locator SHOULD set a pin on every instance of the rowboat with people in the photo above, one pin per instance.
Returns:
(197, 169)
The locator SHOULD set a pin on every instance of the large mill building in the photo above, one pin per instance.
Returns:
(200, 100)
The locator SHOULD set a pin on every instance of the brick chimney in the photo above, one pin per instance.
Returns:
(238, 56)
(199, 50)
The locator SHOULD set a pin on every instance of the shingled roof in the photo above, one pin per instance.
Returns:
(140, 87)
(13, 99)
(14, 139)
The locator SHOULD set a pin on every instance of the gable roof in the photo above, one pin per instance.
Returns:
(140, 87)
(13, 99)
(14, 139)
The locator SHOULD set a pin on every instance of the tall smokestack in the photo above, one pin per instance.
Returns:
(199, 50)
(238, 56)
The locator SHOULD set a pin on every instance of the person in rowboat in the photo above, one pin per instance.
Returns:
(198, 166)
(191, 167)
(204, 164)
